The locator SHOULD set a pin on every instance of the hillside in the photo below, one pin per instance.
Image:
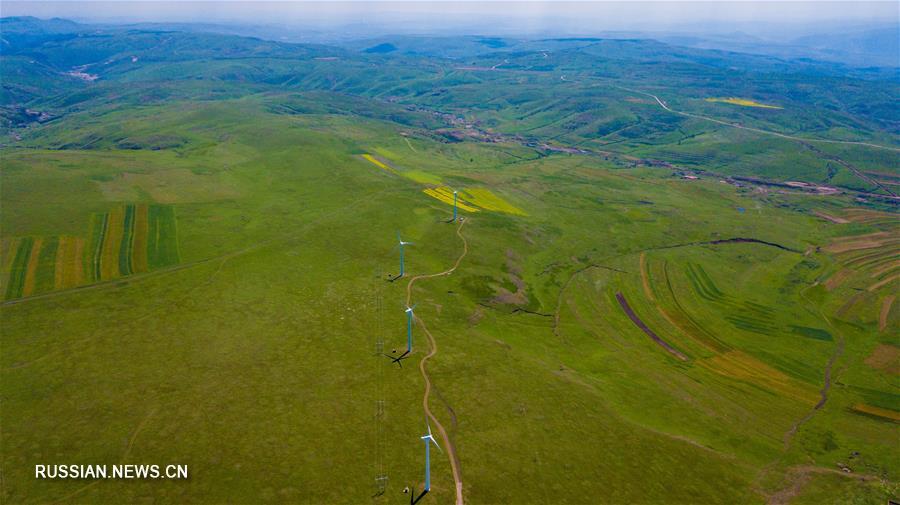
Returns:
(672, 278)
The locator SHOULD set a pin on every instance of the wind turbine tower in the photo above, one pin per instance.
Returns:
(409, 322)
(401, 245)
(429, 438)
(455, 204)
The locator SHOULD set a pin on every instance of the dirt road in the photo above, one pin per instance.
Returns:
(757, 130)
(451, 449)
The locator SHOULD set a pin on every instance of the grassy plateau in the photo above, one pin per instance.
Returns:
(647, 305)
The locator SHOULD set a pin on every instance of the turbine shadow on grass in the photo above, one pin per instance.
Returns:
(398, 359)
(413, 501)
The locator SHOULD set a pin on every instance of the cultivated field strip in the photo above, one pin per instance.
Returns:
(445, 194)
(128, 239)
(474, 200)
(69, 266)
(20, 254)
(744, 102)
(719, 357)
(867, 263)
(378, 163)
(467, 199)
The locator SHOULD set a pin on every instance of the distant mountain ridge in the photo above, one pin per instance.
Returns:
(858, 47)
(55, 64)
(878, 47)
(881, 46)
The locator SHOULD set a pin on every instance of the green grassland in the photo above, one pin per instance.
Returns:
(237, 326)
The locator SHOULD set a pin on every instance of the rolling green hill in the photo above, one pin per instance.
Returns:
(198, 250)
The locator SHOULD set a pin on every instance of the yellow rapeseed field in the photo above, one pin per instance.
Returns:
(742, 101)
(445, 194)
(487, 200)
(471, 200)
(474, 199)
(378, 163)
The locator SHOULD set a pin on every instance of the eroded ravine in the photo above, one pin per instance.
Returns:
(828, 373)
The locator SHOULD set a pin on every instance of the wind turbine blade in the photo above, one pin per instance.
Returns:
(429, 436)
(435, 443)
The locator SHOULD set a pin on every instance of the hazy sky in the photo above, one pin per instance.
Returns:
(501, 16)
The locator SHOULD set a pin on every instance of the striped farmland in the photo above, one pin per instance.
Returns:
(128, 239)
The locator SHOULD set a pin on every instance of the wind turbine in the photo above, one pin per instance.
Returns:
(429, 438)
(409, 322)
(455, 199)
(401, 244)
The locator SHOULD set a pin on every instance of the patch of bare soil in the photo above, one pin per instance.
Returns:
(885, 311)
(885, 268)
(514, 272)
(884, 282)
(837, 279)
(476, 316)
(848, 238)
(885, 357)
(833, 219)
(865, 215)
(856, 243)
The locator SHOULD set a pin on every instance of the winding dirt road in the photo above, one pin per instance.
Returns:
(451, 449)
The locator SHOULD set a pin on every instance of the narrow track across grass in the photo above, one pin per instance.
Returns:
(451, 449)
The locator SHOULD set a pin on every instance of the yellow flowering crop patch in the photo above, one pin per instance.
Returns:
(378, 163)
(445, 194)
(742, 101)
(484, 198)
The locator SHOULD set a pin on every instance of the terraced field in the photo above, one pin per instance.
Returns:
(867, 264)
